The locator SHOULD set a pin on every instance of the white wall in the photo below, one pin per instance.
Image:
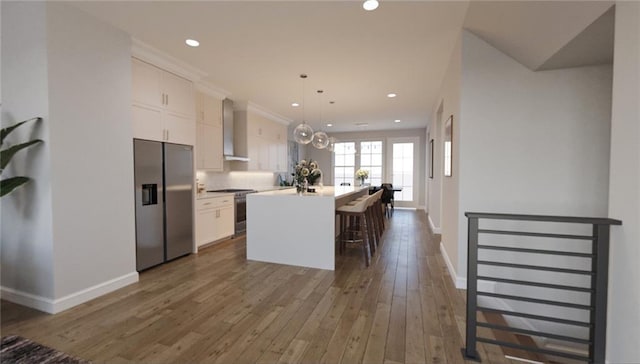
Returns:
(443, 191)
(530, 142)
(27, 238)
(624, 190)
(91, 150)
(70, 235)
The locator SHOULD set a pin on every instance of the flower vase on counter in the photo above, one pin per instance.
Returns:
(361, 175)
(301, 187)
(305, 174)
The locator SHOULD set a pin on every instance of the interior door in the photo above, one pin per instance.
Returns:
(404, 170)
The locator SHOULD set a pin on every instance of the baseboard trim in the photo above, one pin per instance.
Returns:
(433, 227)
(27, 299)
(55, 306)
(460, 283)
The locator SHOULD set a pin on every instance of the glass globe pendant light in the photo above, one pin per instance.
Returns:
(303, 133)
(331, 144)
(320, 140)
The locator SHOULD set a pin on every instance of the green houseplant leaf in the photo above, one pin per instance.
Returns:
(7, 154)
(6, 131)
(10, 184)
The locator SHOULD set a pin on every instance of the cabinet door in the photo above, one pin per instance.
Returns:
(214, 160)
(179, 95)
(273, 156)
(205, 226)
(180, 130)
(211, 147)
(200, 146)
(146, 84)
(264, 159)
(212, 111)
(224, 225)
(199, 107)
(282, 157)
(147, 123)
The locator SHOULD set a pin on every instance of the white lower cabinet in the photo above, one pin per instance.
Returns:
(214, 219)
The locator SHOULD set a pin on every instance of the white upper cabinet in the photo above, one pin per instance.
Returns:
(147, 88)
(208, 109)
(178, 94)
(163, 105)
(209, 133)
(266, 143)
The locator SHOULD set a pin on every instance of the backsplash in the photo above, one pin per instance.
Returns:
(220, 180)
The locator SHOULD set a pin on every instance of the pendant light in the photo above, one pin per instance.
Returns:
(332, 144)
(320, 138)
(303, 133)
(331, 140)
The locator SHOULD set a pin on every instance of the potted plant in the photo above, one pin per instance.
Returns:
(9, 184)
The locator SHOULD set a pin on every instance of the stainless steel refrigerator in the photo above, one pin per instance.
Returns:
(164, 201)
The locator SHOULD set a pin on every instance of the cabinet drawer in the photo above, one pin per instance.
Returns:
(214, 203)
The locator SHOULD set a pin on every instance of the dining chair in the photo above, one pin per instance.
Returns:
(387, 198)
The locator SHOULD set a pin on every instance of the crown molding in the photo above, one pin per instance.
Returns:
(212, 90)
(255, 108)
(147, 53)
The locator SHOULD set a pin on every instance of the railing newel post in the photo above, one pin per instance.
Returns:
(470, 351)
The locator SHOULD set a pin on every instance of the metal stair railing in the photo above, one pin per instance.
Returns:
(597, 290)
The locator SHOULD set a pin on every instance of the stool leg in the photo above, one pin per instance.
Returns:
(364, 243)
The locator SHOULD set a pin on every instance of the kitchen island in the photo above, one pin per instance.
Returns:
(286, 228)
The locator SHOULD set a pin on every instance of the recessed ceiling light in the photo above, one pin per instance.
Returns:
(396, 121)
(329, 125)
(295, 104)
(192, 42)
(362, 124)
(391, 95)
(370, 5)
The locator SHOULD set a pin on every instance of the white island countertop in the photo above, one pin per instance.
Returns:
(297, 229)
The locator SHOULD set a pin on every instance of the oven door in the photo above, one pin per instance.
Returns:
(241, 214)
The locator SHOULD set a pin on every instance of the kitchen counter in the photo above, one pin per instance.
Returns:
(287, 228)
(203, 195)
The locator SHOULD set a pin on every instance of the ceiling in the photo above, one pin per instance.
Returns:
(257, 50)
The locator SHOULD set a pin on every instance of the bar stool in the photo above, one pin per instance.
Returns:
(356, 211)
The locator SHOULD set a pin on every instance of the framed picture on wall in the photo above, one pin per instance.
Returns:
(431, 158)
(448, 146)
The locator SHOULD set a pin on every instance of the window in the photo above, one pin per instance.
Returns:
(371, 160)
(344, 163)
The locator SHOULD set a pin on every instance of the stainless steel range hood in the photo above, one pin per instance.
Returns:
(228, 131)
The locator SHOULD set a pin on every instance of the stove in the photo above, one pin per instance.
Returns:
(240, 200)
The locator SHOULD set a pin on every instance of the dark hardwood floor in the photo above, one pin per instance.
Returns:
(217, 307)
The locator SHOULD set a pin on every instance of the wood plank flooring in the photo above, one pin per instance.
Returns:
(217, 307)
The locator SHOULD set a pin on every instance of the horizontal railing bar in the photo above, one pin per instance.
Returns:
(547, 218)
(533, 349)
(535, 317)
(536, 251)
(535, 284)
(534, 333)
(540, 235)
(536, 267)
(535, 300)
